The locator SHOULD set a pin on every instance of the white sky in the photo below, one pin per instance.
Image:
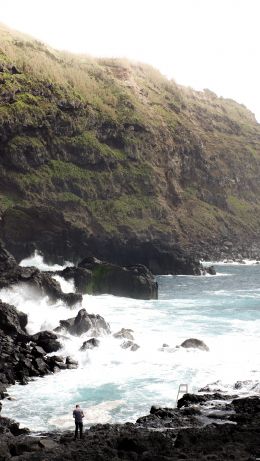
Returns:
(201, 43)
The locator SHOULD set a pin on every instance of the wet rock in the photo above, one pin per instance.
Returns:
(47, 340)
(81, 277)
(239, 384)
(213, 387)
(11, 273)
(83, 323)
(2, 388)
(124, 333)
(38, 351)
(195, 399)
(41, 366)
(90, 344)
(131, 281)
(130, 345)
(23, 319)
(208, 270)
(249, 405)
(48, 444)
(71, 363)
(177, 435)
(194, 343)
(11, 322)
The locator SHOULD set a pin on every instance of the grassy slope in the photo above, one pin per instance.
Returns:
(118, 147)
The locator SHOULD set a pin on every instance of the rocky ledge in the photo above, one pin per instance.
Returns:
(203, 427)
(100, 277)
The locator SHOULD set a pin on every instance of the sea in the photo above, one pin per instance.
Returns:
(115, 385)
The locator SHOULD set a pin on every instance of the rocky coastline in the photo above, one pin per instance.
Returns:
(202, 427)
(209, 425)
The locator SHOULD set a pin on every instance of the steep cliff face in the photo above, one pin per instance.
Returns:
(110, 157)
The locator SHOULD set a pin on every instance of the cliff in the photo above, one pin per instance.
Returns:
(108, 157)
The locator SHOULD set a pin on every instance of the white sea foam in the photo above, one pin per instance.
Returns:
(37, 260)
(229, 262)
(199, 308)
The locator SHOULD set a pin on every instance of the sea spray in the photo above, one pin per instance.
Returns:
(222, 311)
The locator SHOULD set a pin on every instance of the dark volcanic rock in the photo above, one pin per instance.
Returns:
(80, 276)
(98, 277)
(90, 344)
(12, 322)
(47, 340)
(132, 281)
(11, 273)
(44, 228)
(195, 399)
(83, 323)
(71, 363)
(194, 343)
(166, 434)
(208, 270)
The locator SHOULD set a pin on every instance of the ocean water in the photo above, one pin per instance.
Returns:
(116, 385)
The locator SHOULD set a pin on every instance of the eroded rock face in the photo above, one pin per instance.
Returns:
(132, 281)
(194, 343)
(45, 229)
(100, 277)
(84, 323)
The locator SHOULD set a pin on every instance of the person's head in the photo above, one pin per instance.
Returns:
(77, 406)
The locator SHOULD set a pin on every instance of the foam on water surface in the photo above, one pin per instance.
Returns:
(116, 385)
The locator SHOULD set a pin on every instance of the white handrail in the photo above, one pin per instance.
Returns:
(183, 389)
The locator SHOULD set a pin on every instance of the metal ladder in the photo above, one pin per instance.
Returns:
(183, 389)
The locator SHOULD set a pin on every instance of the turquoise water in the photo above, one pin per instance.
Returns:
(113, 384)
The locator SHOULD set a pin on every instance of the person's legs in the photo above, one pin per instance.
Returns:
(76, 430)
(80, 429)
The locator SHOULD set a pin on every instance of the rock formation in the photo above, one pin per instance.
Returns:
(99, 277)
(115, 161)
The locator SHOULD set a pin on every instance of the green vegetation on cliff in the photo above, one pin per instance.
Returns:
(118, 148)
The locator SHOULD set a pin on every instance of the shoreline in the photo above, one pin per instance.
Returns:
(164, 434)
(170, 434)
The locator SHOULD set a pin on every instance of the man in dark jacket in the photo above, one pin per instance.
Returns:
(78, 415)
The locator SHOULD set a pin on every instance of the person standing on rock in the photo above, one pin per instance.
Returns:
(78, 415)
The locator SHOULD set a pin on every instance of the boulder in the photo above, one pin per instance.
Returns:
(12, 322)
(38, 351)
(83, 323)
(194, 343)
(23, 319)
(124, 333)
(132, 281)
(90, 344)
(208, 270)
(129, 345)
(71, 363)
(47, 340)
(41, 366)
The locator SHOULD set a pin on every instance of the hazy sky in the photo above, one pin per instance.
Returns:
(201, 43)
